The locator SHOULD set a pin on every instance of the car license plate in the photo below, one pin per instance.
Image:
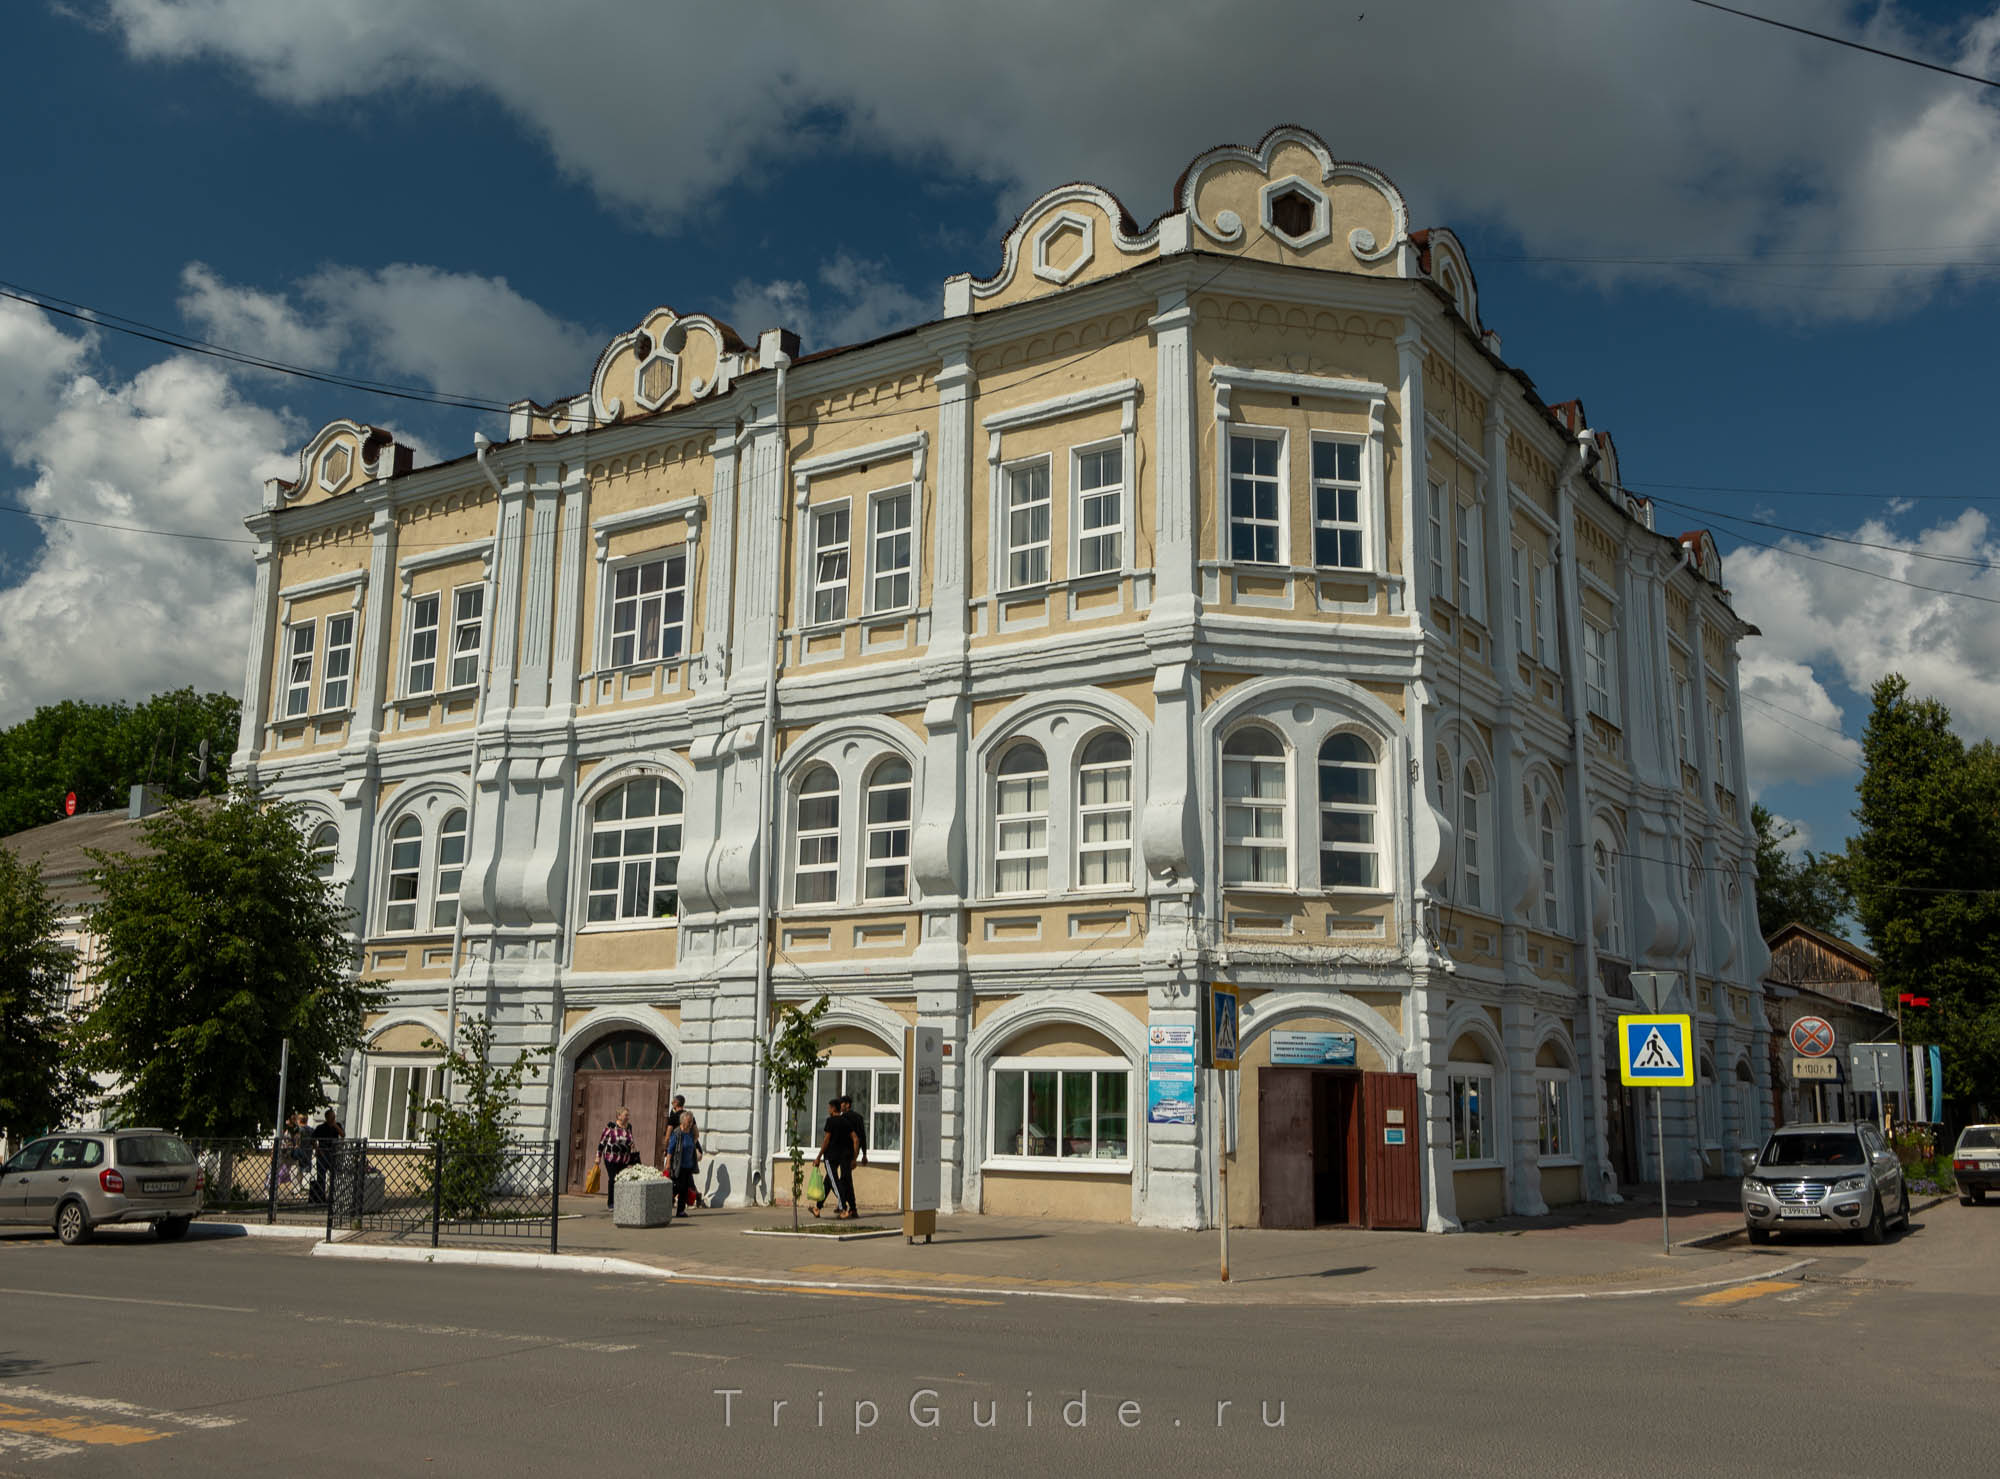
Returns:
(159, 1186)
(1798, 1212)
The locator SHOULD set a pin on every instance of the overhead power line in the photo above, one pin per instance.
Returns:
(1894, 56)
(1971, 561)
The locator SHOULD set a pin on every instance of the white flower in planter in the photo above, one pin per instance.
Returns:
(639, 1173)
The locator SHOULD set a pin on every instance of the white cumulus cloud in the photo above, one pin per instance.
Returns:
(851, 301)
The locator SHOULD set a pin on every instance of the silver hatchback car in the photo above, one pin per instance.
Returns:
(1815, 1177)
(78, 1180)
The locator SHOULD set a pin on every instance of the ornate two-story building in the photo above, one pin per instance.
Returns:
(1201, 601)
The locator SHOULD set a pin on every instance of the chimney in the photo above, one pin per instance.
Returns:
(145, 801)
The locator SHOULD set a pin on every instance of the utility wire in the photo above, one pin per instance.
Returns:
(1894, 56)
(1806, 718)
(1973, 561)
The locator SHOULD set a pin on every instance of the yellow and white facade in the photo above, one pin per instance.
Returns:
(1202, 601)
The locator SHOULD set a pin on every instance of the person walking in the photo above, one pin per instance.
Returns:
(326, 1136)
(838, 1146)
(859, 1124)
(615, 1150)
(683, 1156)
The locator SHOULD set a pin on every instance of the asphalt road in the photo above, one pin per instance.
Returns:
(246, 1357)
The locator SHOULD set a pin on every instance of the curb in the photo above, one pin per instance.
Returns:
(587, 1264)
(260, 1230)
(1722, 1237)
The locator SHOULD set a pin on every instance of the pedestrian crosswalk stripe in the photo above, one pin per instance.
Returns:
(1739, 1293)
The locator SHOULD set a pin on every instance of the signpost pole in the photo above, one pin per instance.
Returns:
(278, 1133)
(1222, 1167)
(1660, 1152)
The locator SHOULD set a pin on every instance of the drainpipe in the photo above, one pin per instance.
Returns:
(760, 1127)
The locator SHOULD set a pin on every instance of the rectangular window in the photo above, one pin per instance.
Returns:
(649, 610)
(1060, 1114)
(1516, 571)
(338, 666)
(421, 670)
(1256, 531)
(1436, 531)
(298, 668)
(468, 629)
(878, 1099)
(1100, 510)
(1597, 671)
(890, 554)
(829, 563)
(1027, 532)
(1556, 1116)
(396, 1100)
(1545, 615)
(1337, 527)
(1472, 1115)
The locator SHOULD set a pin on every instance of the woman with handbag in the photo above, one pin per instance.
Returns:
(683, 1156)
(615, 1151)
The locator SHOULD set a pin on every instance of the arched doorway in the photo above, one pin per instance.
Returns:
(624, 1069)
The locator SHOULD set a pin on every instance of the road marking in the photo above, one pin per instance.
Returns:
(1740, 1293)
(33, 1448)
(808, 1366)
(775, 1286)
(467, 1332)
(170, 1304)
(74, 1429)
(112, 1407)
(700, 1356)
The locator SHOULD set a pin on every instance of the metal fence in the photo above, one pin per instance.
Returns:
(404, 1189)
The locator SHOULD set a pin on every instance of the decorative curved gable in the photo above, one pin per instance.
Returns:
(342, 456)
(1075, 234)
(1290, 200)
(666, 360)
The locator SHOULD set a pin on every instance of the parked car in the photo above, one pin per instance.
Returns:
(1975, 1162)
(79, 1180)
(1811, 1177)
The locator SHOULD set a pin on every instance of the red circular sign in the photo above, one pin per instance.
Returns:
(1813, 1037)
(69, 804)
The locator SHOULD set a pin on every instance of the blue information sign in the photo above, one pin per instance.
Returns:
(1312, 1049)
(1170, 1076)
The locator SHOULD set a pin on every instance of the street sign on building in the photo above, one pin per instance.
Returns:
(1656, 1051)
(1812, 1037)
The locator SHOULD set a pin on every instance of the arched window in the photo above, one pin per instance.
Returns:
(1611, 933)
(1746, 1104)
(817, 877)
(324, 849)
(888, 801)
(635, 852)
(449, 870)
(1104, 813)
(1347, 837)
(1551, 873)
(1021, 806)
(1470, 867)
(1254, 805)
(406, 872)
(1555, 1096)
(1711, 1104)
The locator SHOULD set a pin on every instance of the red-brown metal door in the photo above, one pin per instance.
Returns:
(1392, 1187)
(1284, 1147)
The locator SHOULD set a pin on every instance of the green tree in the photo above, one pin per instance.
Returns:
(472, 1123)
(792, 1059)
(41, 1083)
(1925, 873)
(215, 945)
(1808, 889)
(101, 750)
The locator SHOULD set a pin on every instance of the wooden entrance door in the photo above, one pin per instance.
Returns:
(1285, 1147)
(626, 1070)
(1394, 1174)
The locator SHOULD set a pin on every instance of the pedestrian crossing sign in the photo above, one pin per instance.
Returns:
(1656, 1052)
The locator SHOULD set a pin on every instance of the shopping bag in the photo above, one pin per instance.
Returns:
(284, 1175)
(593, 1183)
(816, 1185)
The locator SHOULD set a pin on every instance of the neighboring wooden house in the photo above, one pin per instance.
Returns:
(1815, 974)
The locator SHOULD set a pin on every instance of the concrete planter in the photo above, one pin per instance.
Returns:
(646, 1203)
(374, 1194)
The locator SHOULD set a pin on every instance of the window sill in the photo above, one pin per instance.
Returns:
(1058, 1166)
(435, 696)
(839, 907)
(626, 926)
(1479, 1165)
(842, 623)
(607, 670)
(1558, 1162)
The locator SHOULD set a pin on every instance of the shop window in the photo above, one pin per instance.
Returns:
(1104, 813)
(1021, 807)
(1555, 1095)
(635, 852)
(878, 1098)
(1059, 1112)
(1255, 801)
(397, 1095)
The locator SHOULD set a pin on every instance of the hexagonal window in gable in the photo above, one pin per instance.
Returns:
(335, 466)
(1296, 213)
(654, 383)
(1064, 247)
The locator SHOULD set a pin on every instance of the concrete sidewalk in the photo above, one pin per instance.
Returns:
(1590, 1252)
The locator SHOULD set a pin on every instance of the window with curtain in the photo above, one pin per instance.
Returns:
(635, 852)
(1021, 814)
(816, 878)
(648, 611)
(1027, 530)
(1104, 813)
(1347, 834)
(888, 847)
(406, 874)
(1255, 840)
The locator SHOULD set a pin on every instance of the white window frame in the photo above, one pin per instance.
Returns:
(886, 832)
(1281, 521)
(837, 592)
(1718, 727)
(296, 701)
(672, 634)
(621, 862)
(1438, 539)
(413, 872)
(1256, 804)
(1607, 873)
(835, 1079)
(1084, 534)
(1059, 1163)
(1028, 855)
(1547, 823)
(1487, 1106)
(1555, 1100)
(1545, 625)
(1087, 811)
(337, 654)
(1358, 485)
(800, 834)
(323, 847)
(1470, 547)
(446, 869)
(1027, 467)
(413, 632)
(879, 569)
(1599, 674)
(1372, 809)
(1684, 718)
(468, 634)
(1517, 575)
(412, 1121)
(1474, 793)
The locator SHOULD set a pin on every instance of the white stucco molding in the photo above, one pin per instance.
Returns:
(1228, 229)
(1037, 217)
(1273, 1009)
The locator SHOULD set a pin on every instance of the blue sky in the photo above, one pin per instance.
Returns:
(1755, 257)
